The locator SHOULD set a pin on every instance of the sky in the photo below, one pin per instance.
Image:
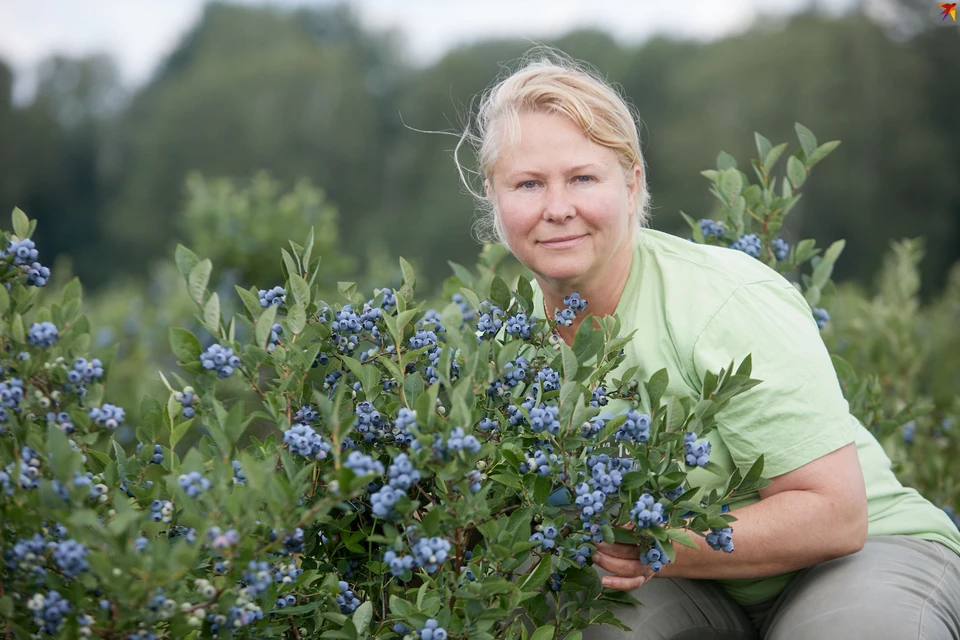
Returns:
(140, 33)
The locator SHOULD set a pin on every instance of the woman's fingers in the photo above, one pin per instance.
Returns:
(621, 566)
(619, 550)
(623, 584)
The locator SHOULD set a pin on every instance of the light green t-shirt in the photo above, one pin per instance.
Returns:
(697, 308)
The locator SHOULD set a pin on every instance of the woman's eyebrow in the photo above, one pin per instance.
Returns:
(537, 174)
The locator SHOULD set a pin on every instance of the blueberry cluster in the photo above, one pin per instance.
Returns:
(29, 472)
(655, 557)
(432, 631)
(591, 532)
(459, 440)
(647, 512)
(107, 415)
(25, 255)
(422, 339)
(286, 601)
(49, 611)
(389, 298)
(11, 395)
(193, 483)
(347, 599)
(277, 296)
(781, 250)
(635, 428)
(304, 441)
(539, 462)
(369, 423)
(574, 304)
(749, 244)
(545, 537)
(515, 372)
(186, 400)
(547, 377)
(220, 539)
(242, 613)
(239, 477)
(71, 558)
(430, 553)
(43, 334)
(596, 424)
(307, 414)
(294, 543)
(362, 464)
(220, 359)
(431, 371)
(517, 325)
(711, 229)
(698, 451)
(721, 539)
(157, 457)
(544, 418)
(432, 316)
(27, 556)
(468, 314)
(401, 428)
(490, 322)
(487, 424)
(580, 555)
(275, 332)
(590, 501)
(84, 371)
(598, 397)
(821, 316)
(606, 472)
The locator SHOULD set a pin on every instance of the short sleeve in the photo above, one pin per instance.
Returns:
(797, 413)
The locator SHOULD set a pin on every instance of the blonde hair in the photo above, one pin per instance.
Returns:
(549, 81)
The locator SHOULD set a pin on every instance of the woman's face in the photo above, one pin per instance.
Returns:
(563, 201)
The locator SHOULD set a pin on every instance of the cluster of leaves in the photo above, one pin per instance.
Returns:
(242, 537)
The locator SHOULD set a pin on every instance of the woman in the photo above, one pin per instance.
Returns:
(835, 546)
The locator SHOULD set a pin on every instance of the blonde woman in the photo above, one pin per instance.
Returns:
(835, 546)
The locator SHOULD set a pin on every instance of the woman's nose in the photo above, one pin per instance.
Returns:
(558, 205)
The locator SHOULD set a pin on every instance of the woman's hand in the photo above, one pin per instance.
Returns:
(622, 560)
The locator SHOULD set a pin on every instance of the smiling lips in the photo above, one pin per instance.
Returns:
(564, 242)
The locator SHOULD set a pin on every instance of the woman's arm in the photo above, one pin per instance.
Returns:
(814, 513)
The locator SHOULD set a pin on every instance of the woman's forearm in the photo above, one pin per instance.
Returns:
(784, 532)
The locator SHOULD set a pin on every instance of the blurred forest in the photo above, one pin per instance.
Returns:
(310, 94)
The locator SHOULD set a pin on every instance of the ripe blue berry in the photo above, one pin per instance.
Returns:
(711, 229)
(193, 483)
(517, 325)
(647, 512)
(277, 296)
(304, 441)
(107, 415)
(821, 316)
(490, 323)
(574, 304)
(362, 464)
(749, 244)
(220, 359)
(781, 250)
(49, 611)
(347, 600)
(655, 557)
(43, 334)
(635, 428)
(432, 631)
(468, 313)
(721, 539)
(697, 451)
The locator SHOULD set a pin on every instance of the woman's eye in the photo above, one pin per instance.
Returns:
(529, 184)
(583, 178)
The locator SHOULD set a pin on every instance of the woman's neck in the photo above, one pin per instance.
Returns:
(602, 293)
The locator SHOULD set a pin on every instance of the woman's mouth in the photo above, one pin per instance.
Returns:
(563, 242)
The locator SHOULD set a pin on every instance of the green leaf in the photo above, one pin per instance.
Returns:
(731, 183)
(186, 261)
(507, 480)
(656, 387)
(198, 279)
(569, 360)
(21, 224)
(265, 325)
(544, 633)
(462, 273)
(296, 319)
(362, 617)
(821, 152)
(824, 269)
(409, 276)
(807, 140)
(725, 162)
(184, 345)
(292, 268)
(500, 293)
(796, 172)
(251, 301)
(763, 146)
(301, 290)
(4, 300)
(211, 314)
(771, 158)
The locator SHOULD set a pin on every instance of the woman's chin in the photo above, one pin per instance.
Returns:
(561, 270)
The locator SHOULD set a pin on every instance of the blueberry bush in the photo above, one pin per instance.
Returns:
(406, 470)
